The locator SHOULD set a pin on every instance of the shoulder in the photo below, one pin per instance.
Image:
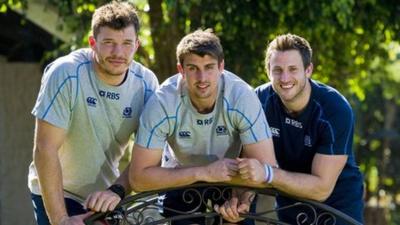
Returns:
(169, 91)
(264, 89)
(142, 72)
(170, 86)
(329, 99)
(68, 66)
(237, 93)
(234, 80)
(166, 98)
(234, 86)
(264, 93)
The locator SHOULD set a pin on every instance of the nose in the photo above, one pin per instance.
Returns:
(117, 49)
(285, 76)
(201, 75)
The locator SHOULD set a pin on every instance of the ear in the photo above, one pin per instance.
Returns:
(137, 44)
(221, 66)
(309, 70)
(180, 70)
(92, 42)
(267, 69)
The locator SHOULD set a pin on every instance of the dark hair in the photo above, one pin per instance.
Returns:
(116, 15)
(290, 42)
(200, 42)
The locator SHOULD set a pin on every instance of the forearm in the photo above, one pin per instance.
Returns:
(123, 180)
(301, 185)
(237, 180)
(50, 178)
(153, 178)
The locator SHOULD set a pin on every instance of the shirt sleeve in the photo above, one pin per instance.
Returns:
(154, 125)
(53, 103)
(249, 118)
(151, 84)
(337, 131)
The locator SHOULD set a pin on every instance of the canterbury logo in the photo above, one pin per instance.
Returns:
(184, 134)
(91, 101)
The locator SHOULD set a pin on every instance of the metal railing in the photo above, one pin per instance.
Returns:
(144, 208)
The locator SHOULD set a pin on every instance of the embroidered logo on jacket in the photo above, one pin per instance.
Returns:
(91, 101)
(275, 132)
(127, 113)
(221, 130)
(184, 134)
(307, 141)
(293, 122)
(109, 95)
(202, 122)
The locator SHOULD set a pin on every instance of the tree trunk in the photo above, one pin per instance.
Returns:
(165, 36)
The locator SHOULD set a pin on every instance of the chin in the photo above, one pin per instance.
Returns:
(117, 72)
(285, 97)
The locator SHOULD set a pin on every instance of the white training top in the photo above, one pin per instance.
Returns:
(98, 118)
(195, 138)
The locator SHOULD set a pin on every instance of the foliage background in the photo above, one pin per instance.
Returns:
(356, 50)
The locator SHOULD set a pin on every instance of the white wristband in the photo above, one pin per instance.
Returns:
(269, 173)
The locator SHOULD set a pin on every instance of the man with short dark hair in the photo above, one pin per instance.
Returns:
(88, 107)
(312, 127)
(209, 117)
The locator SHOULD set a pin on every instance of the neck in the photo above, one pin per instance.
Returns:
(110, 79)
(204, 106)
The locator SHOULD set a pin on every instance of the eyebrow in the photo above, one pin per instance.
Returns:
(209, 64)
(111, 39)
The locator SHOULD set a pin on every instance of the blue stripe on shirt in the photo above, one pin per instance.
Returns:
(248, 121)
(162, 121)
(62, 85)
(331, 132)
(146, 89)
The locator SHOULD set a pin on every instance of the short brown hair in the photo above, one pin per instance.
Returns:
(200, 42)
(287, 42)
(116, 15)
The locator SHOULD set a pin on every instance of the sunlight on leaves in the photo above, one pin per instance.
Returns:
(373, 179)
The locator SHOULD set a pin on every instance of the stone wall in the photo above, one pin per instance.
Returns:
(19, 85)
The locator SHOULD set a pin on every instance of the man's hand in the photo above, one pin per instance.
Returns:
(75, 220)
(231, 209)
(221, 170)
(102, 201)
(251, 170)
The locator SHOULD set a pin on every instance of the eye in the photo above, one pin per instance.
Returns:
(191, 68)
(107, 43)
(293, 69)
(210, 67)
(277, 71)
(128, 43)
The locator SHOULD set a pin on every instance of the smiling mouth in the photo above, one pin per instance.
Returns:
(286, 86)
(202, 85)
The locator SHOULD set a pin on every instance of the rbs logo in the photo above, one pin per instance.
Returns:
(202, 122)
(109, 95)
(91, 101)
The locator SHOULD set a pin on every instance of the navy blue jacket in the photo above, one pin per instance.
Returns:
(326, 126)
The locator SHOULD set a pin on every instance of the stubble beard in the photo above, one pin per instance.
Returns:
(104, 67)
(298, 94)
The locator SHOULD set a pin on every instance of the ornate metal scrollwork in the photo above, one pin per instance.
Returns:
(144, 208)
